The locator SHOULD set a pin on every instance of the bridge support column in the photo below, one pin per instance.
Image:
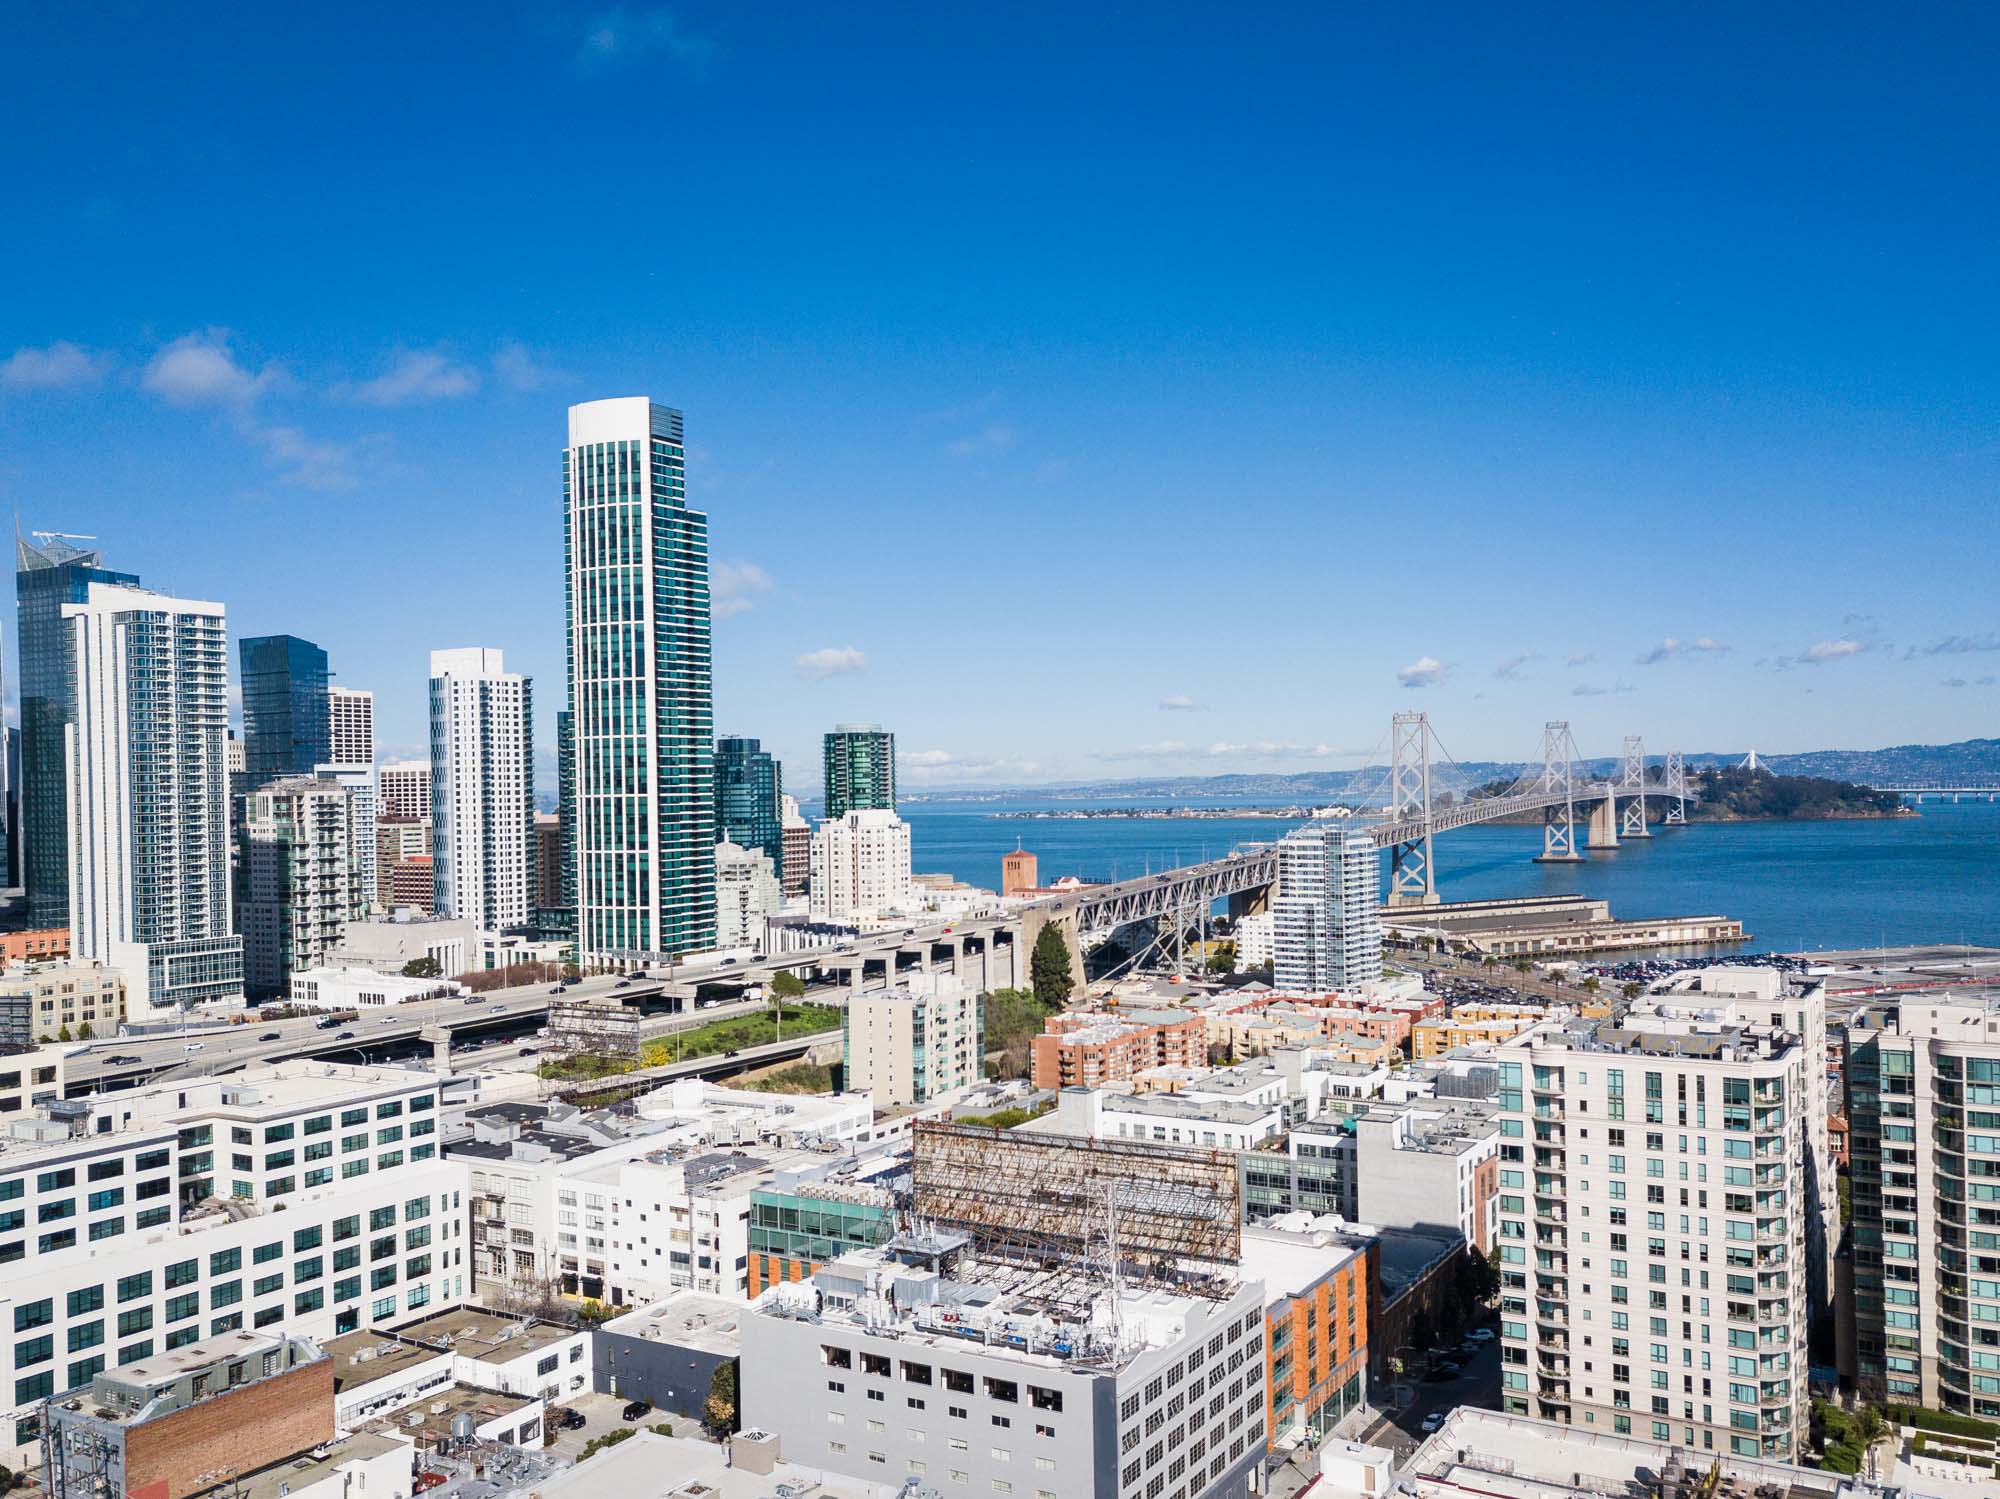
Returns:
(1411, 879)
(1677, 788)
(1559, 818)
(440, 1040)
(1604, 822)
(1249, 903)
(1632, 783)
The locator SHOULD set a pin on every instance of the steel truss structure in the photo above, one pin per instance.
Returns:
(1632, 786)
(1411, 881)
(1195, 888)
(1043, 1201)
(1677, 788)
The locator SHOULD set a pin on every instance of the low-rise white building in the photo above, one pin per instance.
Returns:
(390, 943)
(364, 989)
(747, 895)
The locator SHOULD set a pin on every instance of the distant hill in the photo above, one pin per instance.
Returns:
(1971, 759)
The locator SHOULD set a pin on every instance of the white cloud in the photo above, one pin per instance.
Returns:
(516, 367)
(61, 366)
(1673, 645)
(992, 438)
(1179, 703)
(1830, 650)
(833, 661)
(734, 587)
(1165, 749)
(312, 463)
(415, 376)
(1708, 645)
(938, 765)
(1425, 671)
(621, 37)
(201, 370)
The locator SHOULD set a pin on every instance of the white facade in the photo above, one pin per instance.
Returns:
(746, 895)
(122, 1253)
(482, 789)
(149, 885)
(359, 779)
(1654, 1183)
(406, 788)
(903, 1048)
(1327, 920)
(350, 722)
(1254, 938)
(860, 866)
(364, 989)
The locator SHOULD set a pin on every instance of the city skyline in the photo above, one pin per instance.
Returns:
(1722, 500)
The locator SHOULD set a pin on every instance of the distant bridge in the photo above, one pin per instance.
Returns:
(1916, 791)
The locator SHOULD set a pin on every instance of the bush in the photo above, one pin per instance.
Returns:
(609, 1439)
(1944, 1421)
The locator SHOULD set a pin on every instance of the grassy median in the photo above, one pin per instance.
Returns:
(737, 1033)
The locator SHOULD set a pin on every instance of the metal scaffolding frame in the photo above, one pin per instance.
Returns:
(1044, 1201)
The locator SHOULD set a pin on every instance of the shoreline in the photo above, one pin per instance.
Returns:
(1301, 814)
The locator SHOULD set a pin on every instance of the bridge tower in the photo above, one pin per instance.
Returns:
(1412, 881)
(1558, 778)
(1632, 782)
(1677, 791)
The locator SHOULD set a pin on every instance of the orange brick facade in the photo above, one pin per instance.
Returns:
(768, 1270)
(248, 1428)
(1086, 1050)
(1316, 1349)
(20, 947)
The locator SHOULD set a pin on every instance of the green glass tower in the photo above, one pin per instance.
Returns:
(748, 785)
(641, 694)
(860, 769)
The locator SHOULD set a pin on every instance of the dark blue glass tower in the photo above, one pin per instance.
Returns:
(748, 783)
(286, 731)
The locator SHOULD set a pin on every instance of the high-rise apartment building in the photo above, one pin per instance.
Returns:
(47, 576)
(361, 783)
(285, 722)
(566, 814)
(795, 838)
(402, 845)
(860, 866)
(1923, 1092)
(1327, 919)
(149, 797)
(1655, 1253)
(350, 715)
(746, 892)
(298, 883)
(482, 789)
(406, 788)
(640, 686)
(860, 766)
(548, 861)
(748, 786)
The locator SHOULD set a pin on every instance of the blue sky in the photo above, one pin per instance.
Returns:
(1077, 390)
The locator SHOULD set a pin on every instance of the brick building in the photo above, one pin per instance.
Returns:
(35, 946)
(1090, 1048)
(184, 1421)
(1318, 1286)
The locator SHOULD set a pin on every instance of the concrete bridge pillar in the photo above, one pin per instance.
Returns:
(1250, 902)
(1604, 823)
(440, 1040)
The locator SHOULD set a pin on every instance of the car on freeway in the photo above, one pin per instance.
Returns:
(326, 1025)
(496, 1009)
(386, 1020)
(345, 1036)
(270, 1036)
(728, 962)
(529, 1051)
(556, 989)
(121, 1059)
(622, 984)
(193, 1046)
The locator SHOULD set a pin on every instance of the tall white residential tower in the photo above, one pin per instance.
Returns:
(482, 789)
(1327, 919)
(350, 713)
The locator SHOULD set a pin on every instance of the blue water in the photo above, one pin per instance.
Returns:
(1794, 885)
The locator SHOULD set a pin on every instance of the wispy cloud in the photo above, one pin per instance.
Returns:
(1180, 703)
(995, 437)
(735, 587)
(415, 376)
(1673, 645)
(1579, 658)
(1588, 689)
(1961, 645)
(1425, 671)
(1510, 670)
(201, 371)
(943, 765)
(626, 38)
(1165, 749)
(516, 367)
(1831, 650)
(1269, 749)
(833, 661)
(62, 365)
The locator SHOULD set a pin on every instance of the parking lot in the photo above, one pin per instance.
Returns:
(1476, 1383)
(600, 1415)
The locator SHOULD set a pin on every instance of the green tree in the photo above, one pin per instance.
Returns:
(1633, 990)
(1049, 967)
(719, 1413)
(422, 968)
(64, 1035)
(1591, 984)
(787, 985)
(1223, 959)
(84, 1032)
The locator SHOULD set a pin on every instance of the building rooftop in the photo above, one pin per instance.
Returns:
(295, 1473)
(486, 1336)
(1290, 1261)
(362, 1358)
(683, 1468)
(1515, 1457)
(687, 1319)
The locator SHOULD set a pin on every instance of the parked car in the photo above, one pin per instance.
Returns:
(567, 1419)
(1433, 1421)
(638, 1410)
(1480, 1335)
(270, 1036)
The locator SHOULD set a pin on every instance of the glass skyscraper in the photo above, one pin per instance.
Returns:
(286, 729)
(46, 577)
(748, 785)
(860, 769)
(641, 695)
